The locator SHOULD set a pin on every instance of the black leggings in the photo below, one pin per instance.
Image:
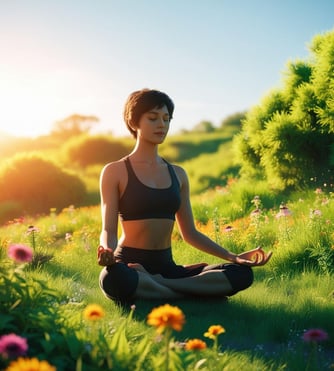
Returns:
(119, 282)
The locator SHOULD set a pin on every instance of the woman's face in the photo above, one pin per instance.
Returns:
(153, 125)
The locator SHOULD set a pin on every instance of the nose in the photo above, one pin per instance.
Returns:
(161, 122)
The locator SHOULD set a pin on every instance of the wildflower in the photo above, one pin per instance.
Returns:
(325, 201)
(93, 312)
(255, 213)
(30, 364)
(166, 316)
(228, 228)
(256, 201)
(214, 331)
(315, 335)
(318, 191)
(315, 213)
(68, 236)
(283, 212)
(195, 344)
(32, 229)
(20, 253)
(12, 345)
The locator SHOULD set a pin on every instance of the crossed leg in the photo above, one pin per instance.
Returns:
(208, 283)
(149, 288)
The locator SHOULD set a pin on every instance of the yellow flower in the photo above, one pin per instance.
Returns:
(214, 331)
(166, 316)
(93, 312)
(195, 344)
(30, 364)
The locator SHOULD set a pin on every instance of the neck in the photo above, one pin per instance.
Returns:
(145, 154)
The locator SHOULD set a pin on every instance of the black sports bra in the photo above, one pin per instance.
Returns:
(140, 201)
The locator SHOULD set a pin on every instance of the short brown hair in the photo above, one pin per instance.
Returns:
(142, 101)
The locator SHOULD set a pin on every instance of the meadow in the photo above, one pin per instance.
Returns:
(53, 311)
(264, 178)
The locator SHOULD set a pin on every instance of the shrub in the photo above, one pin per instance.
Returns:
(37, 184)
(91, 150)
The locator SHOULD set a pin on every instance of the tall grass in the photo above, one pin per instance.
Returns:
(264, 324)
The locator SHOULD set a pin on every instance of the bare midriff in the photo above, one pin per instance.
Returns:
(149, 234)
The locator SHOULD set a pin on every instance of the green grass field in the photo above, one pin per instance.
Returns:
(44, 301)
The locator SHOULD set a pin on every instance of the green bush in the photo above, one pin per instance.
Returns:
(288, 138)
(89, 150)
(37, 184)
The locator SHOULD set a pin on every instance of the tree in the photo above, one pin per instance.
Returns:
(204, 127)
(233, 123)
(74, 125)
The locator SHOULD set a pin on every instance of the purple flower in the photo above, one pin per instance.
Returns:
(32, 229)
(12, 346)
(316, 212)
(20, 253)
(315, 335)
(283, 212)
(255, 213)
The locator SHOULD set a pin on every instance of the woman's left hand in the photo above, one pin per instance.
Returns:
(254, 258)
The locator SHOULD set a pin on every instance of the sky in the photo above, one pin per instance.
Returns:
(212, 57)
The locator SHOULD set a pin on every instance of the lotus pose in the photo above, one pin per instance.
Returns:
(146, 195)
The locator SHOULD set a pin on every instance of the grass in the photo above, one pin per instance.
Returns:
(264, 324)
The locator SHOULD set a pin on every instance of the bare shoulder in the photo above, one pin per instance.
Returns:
(180, 173)
(116, 169)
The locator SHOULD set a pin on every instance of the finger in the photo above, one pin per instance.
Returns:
(255, 260)
(269, 255)
(267, 258)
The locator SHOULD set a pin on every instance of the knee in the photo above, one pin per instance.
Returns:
(240, 277)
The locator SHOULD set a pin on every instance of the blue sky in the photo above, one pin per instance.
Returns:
(213, 57)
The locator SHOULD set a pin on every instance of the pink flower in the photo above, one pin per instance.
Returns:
(32, 229)
(316, 212)
(283, 211)
(315, 335)
(255, 213)
(20, 253)
(12, 346)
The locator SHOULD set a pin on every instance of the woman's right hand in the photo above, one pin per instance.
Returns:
(105, 256)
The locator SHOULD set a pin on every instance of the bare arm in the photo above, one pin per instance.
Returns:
(109, 193)
(192, 236)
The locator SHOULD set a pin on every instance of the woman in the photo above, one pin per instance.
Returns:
(146, 195)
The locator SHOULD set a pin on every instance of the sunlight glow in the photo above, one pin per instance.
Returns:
(32, 101)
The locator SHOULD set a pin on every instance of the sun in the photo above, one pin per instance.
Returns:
(26, 106)
(34, 99)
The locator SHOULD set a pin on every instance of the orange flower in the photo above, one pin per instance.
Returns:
(93, 312)
(166, 316)
(30, 364)
(214, 331)
(195, 344)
